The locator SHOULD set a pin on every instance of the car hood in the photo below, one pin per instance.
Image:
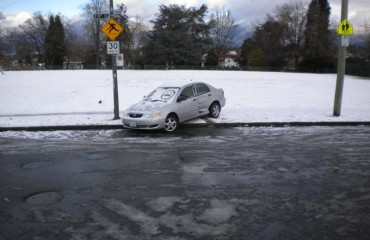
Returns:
(146, 106)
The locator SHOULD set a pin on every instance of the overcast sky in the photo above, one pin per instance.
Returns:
(246, 12)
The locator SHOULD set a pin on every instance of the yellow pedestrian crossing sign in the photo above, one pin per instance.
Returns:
(112, 29)
(345, 28)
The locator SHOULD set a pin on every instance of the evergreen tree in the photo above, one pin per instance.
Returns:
(212, 58)
(125, 37)
(256, 58)
(318, 50)
(55, 49)
(247, 47)
(180, 36)
(268, 39)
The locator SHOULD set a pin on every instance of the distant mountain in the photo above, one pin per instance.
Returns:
(241, 34)
(354, 40)
(357, 40)
(78, 27)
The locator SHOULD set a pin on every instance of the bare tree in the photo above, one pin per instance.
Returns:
(76, 42)
(224, 29)
(34, 29)
(139, 37)
(2, 58)
(10, 48)
(366, 33)
(293, 16)
(366, 27)
(138, 30)
(93, 9)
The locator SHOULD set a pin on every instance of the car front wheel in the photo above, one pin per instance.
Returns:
(171, 123)
(214, 110)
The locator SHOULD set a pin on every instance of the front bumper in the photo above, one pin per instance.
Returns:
(143, 123)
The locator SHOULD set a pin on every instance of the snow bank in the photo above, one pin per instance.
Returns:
(85, 97)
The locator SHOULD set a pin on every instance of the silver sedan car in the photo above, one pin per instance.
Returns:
(174, 103)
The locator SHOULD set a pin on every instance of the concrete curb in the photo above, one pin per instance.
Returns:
(195, 125)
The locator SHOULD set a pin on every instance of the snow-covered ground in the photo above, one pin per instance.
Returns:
(85, 97)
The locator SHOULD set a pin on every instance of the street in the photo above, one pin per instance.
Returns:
(197, 183)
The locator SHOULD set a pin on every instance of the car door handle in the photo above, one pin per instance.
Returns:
(195, 99)
(209, 94)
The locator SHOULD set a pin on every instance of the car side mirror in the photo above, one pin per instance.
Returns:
(181, 98)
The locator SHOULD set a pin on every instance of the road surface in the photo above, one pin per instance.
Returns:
(202, 183)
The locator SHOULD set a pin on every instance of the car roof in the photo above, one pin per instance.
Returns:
(178, 83)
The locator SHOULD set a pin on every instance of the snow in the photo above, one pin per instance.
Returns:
(213, 221)
(85, 97)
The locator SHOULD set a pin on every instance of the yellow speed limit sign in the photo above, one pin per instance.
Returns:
(112, 29)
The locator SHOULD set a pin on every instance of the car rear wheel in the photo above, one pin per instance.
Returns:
(214, 110)
(171, 123)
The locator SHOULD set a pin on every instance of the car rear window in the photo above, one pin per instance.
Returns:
(201, 88)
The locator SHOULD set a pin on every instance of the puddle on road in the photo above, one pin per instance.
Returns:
(36, 164)
(44, 198)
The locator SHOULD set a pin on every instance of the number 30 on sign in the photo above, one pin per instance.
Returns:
(113, 47)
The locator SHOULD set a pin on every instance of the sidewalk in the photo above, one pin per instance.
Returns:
(96, 121)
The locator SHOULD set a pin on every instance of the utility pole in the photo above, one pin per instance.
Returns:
(114, 69)
(341, 65)
(97, 41)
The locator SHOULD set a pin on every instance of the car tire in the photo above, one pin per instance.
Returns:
(171, 123)
(214, 110)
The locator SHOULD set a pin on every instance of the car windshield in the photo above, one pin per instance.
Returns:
(162, 94)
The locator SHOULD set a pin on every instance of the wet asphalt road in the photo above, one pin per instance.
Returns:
(203, 183)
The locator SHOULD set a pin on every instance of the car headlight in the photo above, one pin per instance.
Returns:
(153, 114)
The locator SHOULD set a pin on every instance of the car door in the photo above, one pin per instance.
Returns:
(187, 104)
(204, 97)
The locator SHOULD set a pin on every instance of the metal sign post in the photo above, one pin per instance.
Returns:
(345, 28)
(112, 30)
(115, 88)
(114, 70)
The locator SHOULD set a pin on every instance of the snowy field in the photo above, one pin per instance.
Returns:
(85, 97)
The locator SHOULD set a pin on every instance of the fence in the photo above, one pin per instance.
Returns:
(358, 69)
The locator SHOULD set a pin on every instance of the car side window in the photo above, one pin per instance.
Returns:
(187, 92)
(201, 88)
